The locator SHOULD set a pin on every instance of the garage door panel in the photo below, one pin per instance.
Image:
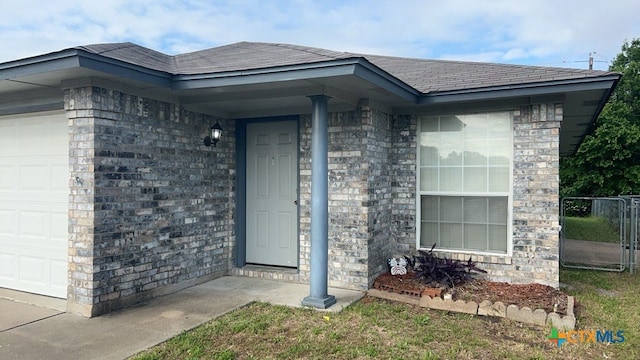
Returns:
(32, 269)
(59, 227)
(41, 135)
(59, 176)
(33, 226)
(8, 221)
(8, 267)
(40, 176)
(34, 190)
(58, 276)
(31, 178)
(8, 181)
(34, 135)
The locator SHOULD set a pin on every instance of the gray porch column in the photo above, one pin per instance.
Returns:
(319, 205)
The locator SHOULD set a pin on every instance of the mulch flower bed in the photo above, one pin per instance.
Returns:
(534, 296)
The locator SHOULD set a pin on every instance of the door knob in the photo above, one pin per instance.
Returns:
(295, 202)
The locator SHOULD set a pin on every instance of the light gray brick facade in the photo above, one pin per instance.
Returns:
(150, 209)
(360, 196)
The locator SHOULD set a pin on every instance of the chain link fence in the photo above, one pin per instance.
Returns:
(599, 233)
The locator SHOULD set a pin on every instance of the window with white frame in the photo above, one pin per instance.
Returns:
(465, 181)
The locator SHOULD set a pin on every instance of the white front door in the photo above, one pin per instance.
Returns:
(272, 210)
(34, 192)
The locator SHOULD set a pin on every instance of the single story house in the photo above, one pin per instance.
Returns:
(328, 164)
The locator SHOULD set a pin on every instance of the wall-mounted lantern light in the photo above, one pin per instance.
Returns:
(216, 133)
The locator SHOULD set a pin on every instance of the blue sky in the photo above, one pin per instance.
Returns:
(530, 32)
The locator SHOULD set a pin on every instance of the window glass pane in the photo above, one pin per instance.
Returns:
(497, 238)
(428, 234)
(475, 237)
(499, 152)
(450, 149)
(475, 126)
(429, 210)
(475, 210)
(429, 179)
(475, 179)
(450, 209)
(475, 152)
(451, 236)
(450, 179)
(499, 179)
(451, 124)
(498, 210)
(452, 157)
(429, 124)
(500, 125)
(429, 155)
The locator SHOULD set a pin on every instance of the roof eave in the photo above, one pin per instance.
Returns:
(595, 116)
(358, 67)
(124, 69)
(521, 90)
(74, 58)
(60, 60)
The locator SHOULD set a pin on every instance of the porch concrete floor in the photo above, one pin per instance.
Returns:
(36, 327)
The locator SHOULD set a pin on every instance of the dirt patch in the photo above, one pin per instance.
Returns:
(534, 296)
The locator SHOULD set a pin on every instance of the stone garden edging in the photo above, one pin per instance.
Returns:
(487, 308)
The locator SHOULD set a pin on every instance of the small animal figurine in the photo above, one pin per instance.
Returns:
(398, 266)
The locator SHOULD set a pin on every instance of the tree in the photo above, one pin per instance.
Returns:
(607, 162)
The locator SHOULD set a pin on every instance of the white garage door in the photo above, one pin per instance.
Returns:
(33, 203)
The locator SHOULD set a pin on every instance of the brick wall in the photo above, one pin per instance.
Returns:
(348, 219)
(379, 195)
(150, 205)
(359, 196)
(404, 181)
(348, 188)
(536, 199)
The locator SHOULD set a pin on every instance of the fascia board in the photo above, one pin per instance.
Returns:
(74, 58)
(249, 77)
(521, 90)
(125, 70)
(39, 64)
(336, 68)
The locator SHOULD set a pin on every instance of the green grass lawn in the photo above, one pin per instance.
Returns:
(590, 228)
(373, 328)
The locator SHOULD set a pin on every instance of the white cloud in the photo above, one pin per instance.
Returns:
(541, 32)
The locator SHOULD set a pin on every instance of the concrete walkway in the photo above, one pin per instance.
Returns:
(45, 331)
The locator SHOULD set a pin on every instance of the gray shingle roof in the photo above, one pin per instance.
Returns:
(134, 54)
(441, 75)
(251, 55)
(426, 76)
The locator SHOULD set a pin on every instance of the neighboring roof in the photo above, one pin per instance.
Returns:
(426, 76)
